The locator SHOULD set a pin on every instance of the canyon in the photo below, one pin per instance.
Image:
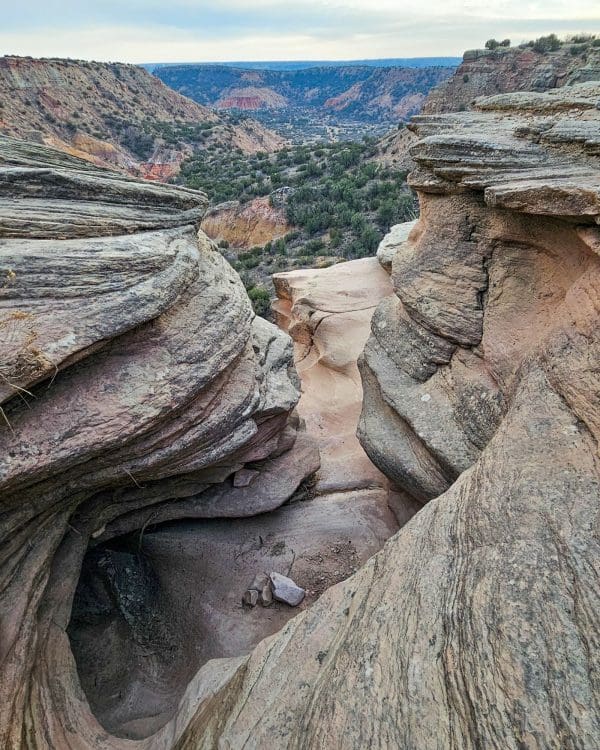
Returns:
(420, 454)
(115, 115)
(313, 102)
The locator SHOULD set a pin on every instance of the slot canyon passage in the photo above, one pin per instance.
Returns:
(153, 438)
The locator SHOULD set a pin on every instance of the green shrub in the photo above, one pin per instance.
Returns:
(314, 247)
(370, 239)
(279, 247)
(582, 38)
(261, 300)
(492, 44)
(548, 43)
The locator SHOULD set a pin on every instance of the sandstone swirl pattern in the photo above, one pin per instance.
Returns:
(135, 381)
(477, 625)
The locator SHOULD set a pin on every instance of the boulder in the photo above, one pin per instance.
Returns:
(390, 244)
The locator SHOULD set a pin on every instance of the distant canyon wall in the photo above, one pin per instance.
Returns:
(486, 72)
(114, 115)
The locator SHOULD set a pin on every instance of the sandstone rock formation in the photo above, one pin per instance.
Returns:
(392, 243)
(394, 149)
(114, 115)
(477, 625)
(486, 72)
(328, 312)
(136, 383)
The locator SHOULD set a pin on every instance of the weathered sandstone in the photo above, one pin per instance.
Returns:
(486, 72)
(136, 382)
(327, 312)
(392, 242)
(246, 225)
(477, 625)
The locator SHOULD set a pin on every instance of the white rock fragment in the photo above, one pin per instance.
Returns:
(285, 590)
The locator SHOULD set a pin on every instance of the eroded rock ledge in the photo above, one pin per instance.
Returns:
(136, 383)
(477, 625)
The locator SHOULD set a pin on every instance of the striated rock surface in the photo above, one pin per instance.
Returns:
(251, 97)
(136, 383)
(328, 312)
(477, 625)
(486, 72)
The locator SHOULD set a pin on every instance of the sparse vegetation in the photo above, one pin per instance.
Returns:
(548, 43)
(494, 44)
(339, 200)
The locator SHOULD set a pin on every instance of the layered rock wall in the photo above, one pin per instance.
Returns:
(136, 383)
(486, 72)
(477, 625)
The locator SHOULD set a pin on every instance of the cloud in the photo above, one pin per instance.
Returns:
(180, 30)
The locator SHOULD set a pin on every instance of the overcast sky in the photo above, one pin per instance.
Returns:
(221, 30)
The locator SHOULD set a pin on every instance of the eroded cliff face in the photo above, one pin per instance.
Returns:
(486, 72)
(476, 626)
(137, 386)
(246, 225)
(114, 115)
